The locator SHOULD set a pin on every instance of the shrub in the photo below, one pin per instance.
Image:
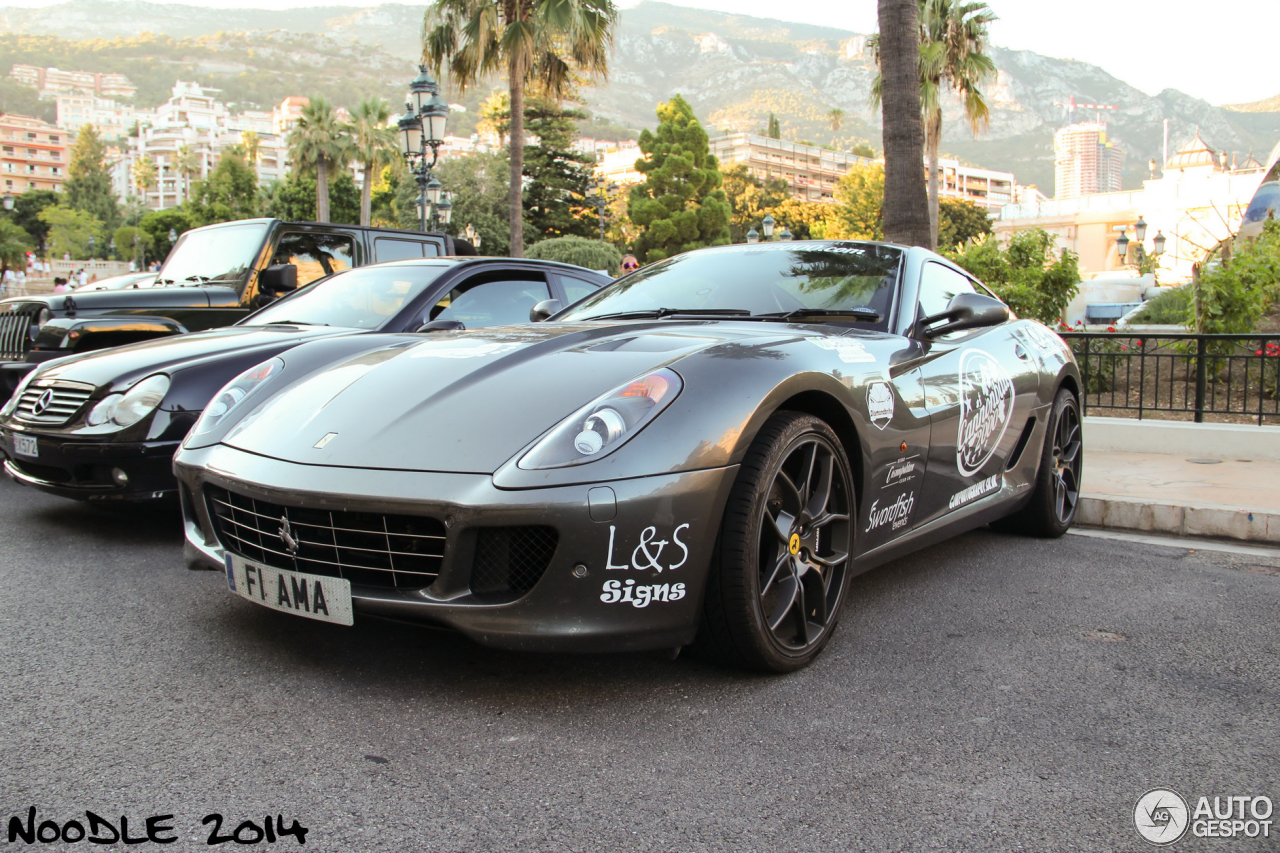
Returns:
(592, 254)
(1169, 308)
(1026, 275)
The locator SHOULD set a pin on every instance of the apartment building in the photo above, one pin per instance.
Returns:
(1084, 162)
(54, 81)
(986, 187)
(811, 172)
(33, 155)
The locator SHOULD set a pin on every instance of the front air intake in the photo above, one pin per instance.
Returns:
(509, 561)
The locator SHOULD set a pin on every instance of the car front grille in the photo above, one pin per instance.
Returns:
(510, 560)
(366, 548)
(16, 319)
(52, 402)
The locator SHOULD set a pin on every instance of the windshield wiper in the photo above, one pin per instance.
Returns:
(198, 279)
(659, 313)
(293, 323)
(866, 315)
(164, 281)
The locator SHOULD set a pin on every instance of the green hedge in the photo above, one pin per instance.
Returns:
(592, 254)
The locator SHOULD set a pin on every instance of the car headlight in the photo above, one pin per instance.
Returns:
(605, 424)
(233, 392)
(45, 316)
(132, 406)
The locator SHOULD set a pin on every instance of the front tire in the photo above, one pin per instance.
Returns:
(786, 540)
(1056, 497)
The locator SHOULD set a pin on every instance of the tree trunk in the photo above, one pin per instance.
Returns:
(322, 190)
(517, 161)
(933, 141)
(366, 196)
(906, 203)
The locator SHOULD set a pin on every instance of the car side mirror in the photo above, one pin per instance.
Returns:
(543, 310)
(278, 278)
(441, 326)
(965, 311)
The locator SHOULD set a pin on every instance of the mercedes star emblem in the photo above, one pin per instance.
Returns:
(42, 402)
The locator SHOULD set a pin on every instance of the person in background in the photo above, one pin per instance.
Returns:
(629, 263)
(59, 285)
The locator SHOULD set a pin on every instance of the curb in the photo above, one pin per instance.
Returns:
(1216, 522)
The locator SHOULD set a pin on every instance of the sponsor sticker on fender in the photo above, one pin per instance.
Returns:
(849, 351)
(894, 515)
(986, 407)
(977, 490)
(880, 403)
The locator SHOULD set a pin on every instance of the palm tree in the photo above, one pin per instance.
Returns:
(320, 140)
(534, 41)
(953, 38)
(836, 117)
(145, 175)
(252, 148)
(375, 146)
(897, 89)
(187, 162)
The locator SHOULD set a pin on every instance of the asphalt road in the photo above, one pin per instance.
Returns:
(991, 693)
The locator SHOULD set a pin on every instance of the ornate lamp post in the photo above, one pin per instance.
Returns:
(421, 128)
(767, 226)
(472, 235)
(90, 247)
(601, 199)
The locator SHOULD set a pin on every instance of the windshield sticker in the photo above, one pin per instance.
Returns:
(986, 407)
(648, 554)
(849, 351)
(902, 471)
(880, 403)
(462, 349)
(896, 514)
(977, 490)
(640, 595)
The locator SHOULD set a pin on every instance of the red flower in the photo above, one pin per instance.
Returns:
(1139, 342)
(1111, 328)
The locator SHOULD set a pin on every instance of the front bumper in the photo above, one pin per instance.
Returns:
(82, 470)
(613, 538)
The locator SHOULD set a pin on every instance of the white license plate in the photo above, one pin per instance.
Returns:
(312, 596)
(26, 445)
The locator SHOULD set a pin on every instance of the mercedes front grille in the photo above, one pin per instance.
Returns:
(52, 402)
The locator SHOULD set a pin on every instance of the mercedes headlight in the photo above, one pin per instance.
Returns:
(132, 406)
(233, 392)
(605, 424)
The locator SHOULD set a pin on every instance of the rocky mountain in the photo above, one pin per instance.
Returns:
(735, 70)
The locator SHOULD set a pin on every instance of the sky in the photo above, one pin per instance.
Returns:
(1221, 54)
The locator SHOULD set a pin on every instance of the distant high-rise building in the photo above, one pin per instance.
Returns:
(1084, 161)
(34, 155)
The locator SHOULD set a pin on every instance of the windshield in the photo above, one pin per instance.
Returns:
(216, 256)
(1266, 202)
(363, 298)
(762, 279)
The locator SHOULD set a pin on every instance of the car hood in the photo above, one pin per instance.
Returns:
(462, 402)
(124, 365)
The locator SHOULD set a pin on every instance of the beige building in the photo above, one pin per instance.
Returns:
(33, 155)
(1198, 201)
(53, 81)
(811, 172)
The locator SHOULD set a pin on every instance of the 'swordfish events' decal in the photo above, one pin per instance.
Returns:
(977, 490)
(880, 403)
(896, 514)
(640, 595)
(986, 407)
(648, 554)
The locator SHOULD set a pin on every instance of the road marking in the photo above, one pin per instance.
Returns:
(1179, 542)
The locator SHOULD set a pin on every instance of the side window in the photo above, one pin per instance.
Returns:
(315, 255)
(490, 302)
(576, 288)
(938, 284)
(390, 249)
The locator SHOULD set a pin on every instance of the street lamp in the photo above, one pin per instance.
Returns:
(421, 127)
(472, 235)
(785, 234)
(112, 247)
(444, 210)
(767, 226)
(90, 247)
(1122, 247)
(8, 201)
(753, 236)
(601, 199)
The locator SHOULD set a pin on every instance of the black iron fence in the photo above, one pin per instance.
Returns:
(1233, 376)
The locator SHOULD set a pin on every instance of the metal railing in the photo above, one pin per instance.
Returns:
(1219, 375)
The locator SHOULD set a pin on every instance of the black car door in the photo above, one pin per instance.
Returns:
(979, 387)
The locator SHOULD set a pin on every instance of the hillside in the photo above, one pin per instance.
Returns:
(734, 79)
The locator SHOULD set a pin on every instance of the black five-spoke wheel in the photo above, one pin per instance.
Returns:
(785, 545)
(1051, 509)
(1066, 465)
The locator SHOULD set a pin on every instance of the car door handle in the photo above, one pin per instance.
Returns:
(1020, 352)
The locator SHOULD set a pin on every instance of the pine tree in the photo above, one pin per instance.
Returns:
(559, 178)
(680, 205)
(88, 185)
(775, 127)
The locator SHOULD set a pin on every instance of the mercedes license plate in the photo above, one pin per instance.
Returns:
(312, 596)
(26, 445)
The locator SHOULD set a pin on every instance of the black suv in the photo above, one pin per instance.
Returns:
(214, 276)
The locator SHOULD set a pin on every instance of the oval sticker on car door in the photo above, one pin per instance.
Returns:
(986, 407)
